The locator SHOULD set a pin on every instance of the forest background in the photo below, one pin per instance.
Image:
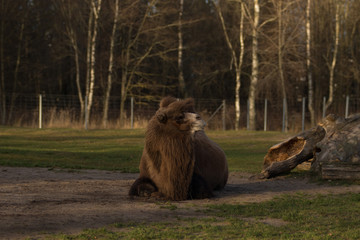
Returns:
(98, 54)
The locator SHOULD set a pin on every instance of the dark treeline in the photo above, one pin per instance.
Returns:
(223, 49)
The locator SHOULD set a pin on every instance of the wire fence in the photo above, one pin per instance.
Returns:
(64, 111)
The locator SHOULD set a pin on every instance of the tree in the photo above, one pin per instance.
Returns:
(308, 64)
(236, 60)
(353, 20)
(2, 66)
(284, 45)
(182, 87)
(71, 18)
(280, 61)
(95, 7)
(17, 66)
(333, 62)
(11, 41)
(111, 65)
(254, 66)
(130, 59)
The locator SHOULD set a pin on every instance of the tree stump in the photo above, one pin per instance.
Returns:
(334, 146)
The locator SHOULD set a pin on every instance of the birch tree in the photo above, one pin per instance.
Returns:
(308, 64)
(333, 62)
(237, 60)
(182, 86)
(95, 7)
(111, 65)
(254, 66)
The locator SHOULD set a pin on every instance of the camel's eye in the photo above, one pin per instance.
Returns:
(179, 118)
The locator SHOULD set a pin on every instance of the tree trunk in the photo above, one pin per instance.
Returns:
(111, 64)
(88, 52)
(334, 146)
(16, 71)
(88, 63)
(238, 68)
(124, 81)
(77, 78)
(255, 67)
(67, 14)
(237, 61)
(2, 70)
(285, 156)
(182, 86)
(308, 64)
(93, 30)
(333, 63)
(280, 63)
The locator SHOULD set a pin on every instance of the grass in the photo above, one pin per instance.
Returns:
(302, 217)
(116, 149)
(245, 150)
(68, 148)
(307, 217)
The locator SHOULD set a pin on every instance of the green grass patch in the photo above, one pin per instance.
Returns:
(303, 217)
(245, 150)
(68, 148)
(307, 217)
(117, 149)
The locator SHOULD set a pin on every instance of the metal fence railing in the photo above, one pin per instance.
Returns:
(47, 111)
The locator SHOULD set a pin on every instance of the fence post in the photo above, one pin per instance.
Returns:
(224, 114)
(347, 106)
(40, 111)
(324, 107)
(132, 112)
(86, 113)
(265, 116)
(303, 115)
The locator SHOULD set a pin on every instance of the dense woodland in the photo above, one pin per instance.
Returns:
(238, 50)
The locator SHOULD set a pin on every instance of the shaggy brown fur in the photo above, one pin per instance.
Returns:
(179, 161)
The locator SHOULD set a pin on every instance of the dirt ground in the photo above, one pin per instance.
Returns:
(38, 201)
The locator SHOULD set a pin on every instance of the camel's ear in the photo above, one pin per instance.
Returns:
(166, 101)
(161, 117)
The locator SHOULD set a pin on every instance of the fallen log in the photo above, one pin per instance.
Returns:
(285, 156)
(334, 142)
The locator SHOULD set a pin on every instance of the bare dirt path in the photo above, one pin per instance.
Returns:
(38, 201)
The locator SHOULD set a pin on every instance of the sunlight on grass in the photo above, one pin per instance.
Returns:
(68, 148)
(117, 149)
(245, 150)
